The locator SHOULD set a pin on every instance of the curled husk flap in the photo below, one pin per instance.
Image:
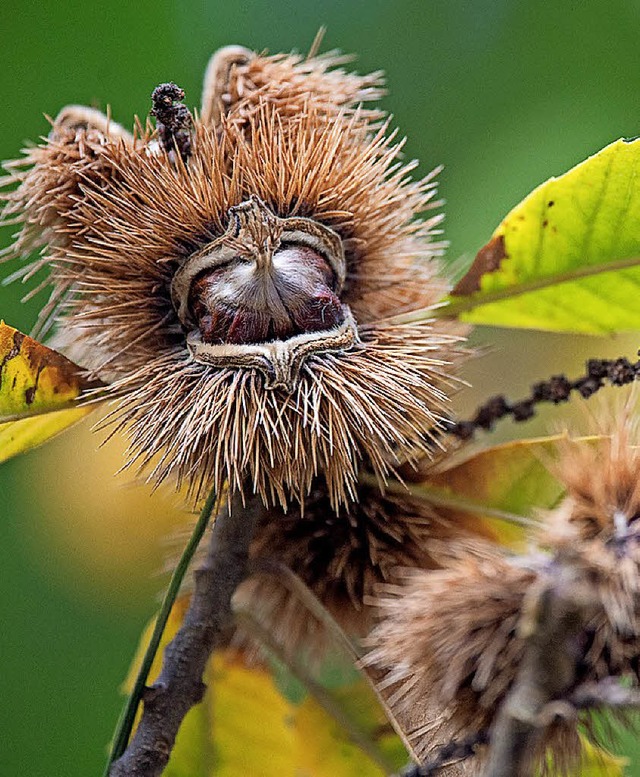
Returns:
(294, 232)
(448, 641)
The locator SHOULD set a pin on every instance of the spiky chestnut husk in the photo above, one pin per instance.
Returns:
(237, 80)
(448, 641)
(120, 216)
(341, 556)
(602, 480)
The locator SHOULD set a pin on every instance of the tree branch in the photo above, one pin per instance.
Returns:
(127, 719)
(556, 611)
(180, 685)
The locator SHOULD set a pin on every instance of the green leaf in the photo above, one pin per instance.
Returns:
(567, 258)
(38, 392)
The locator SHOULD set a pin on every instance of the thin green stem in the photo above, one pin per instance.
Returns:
(128, 716)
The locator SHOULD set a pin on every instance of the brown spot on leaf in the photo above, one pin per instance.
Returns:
(14, 351)
(18, 339)
(487, 260)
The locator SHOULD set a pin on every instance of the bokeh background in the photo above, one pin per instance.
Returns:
(504, 93)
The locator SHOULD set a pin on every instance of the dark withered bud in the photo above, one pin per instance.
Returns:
(174, 121)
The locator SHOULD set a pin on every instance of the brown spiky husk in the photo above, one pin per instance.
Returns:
(341, 556)
(119, 216)
(600, 478)
(376, 402)
(447, 643)
(289, 81)
(448, 640)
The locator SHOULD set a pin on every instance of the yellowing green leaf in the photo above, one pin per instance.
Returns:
(252, 726)
(20, 436)
(247, 725)
(497, 488)
(567, 258)
(598, 762)
(243, 726)
(38, 389)
(33, 378)
(323, 748)
(512, 476)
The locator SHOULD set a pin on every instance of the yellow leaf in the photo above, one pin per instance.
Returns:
(244, 723)
(20, 436)
(35, 381)
(252, 724)
(323, 748)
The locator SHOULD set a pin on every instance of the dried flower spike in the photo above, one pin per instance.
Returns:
(234, 294)
(449, 640)
(617, 372)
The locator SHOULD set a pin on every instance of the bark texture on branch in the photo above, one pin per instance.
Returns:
(179, 686)
(558, 608)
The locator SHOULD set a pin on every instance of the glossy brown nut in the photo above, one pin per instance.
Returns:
(244, 302)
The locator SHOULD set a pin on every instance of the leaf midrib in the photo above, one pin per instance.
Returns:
(463, 305)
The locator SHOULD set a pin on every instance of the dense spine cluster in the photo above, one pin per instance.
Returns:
(451, 641)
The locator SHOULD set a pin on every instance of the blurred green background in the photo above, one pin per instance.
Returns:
(504, 93)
